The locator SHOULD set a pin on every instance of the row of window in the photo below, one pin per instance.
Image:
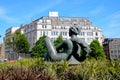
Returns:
(115, 51)
(44, 26)
(63, 33)
(59, 27)
(44, 21)
(54, 27)
(29, 29)
(33, 28)
(88, 33)
(115, 56)
(64, 22)
(53, 33)
(113, 46)
(88, 28)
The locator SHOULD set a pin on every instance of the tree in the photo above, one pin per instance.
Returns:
(18, 42)
(97, 50)
(23, 44)
(39, 49)
(58, 40)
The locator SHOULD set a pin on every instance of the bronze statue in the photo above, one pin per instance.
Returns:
(68, 48)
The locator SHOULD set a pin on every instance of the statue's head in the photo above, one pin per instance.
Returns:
(74, 31)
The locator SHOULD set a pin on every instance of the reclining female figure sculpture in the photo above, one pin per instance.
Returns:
(68, 48)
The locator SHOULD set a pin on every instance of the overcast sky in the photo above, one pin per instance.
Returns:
(103, 13)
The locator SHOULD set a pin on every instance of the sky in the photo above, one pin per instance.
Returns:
(104, 14)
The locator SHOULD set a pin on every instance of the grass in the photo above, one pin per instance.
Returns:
(37, 68)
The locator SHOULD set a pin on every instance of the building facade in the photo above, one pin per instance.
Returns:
(112, 48)
(9, 54)
(2, 51)
(54, 25)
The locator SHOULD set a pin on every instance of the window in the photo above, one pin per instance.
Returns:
(115, 51)
(111, 52)
(62, 27)
(48, 22)
(82, 33)
(96, 34)
(115, 56)
(25, 30)
(43, 32)
(89, 34)
(119, 56)
(64, 33)
(87, 28)
(54, 33)
(62, 23)
(118, 51)
(80, 27)
(40, 32)
(46, 32)
(44, 26)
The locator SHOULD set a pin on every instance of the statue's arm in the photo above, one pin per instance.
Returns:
(85, 47)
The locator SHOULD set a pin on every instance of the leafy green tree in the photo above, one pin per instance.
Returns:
(39, 49)
(23, 44)
(11, 41)
(18, 42)
(58, 40)
(97, 50)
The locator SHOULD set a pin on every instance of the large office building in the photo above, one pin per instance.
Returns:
(54, 25)
(112, 48)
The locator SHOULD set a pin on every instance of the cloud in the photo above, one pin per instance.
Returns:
(112, 25)
(112, 33)
(44, 8)
(116, 15)
(78, 2)
(8, 19)
(5, 17)
(114, 19)
(96, 11)
(2, 11)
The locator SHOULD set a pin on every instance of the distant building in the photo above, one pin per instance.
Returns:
(112, 48)
(54, 25)
(8, 50)
(2, 51)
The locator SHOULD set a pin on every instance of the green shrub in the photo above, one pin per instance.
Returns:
(37, 68)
